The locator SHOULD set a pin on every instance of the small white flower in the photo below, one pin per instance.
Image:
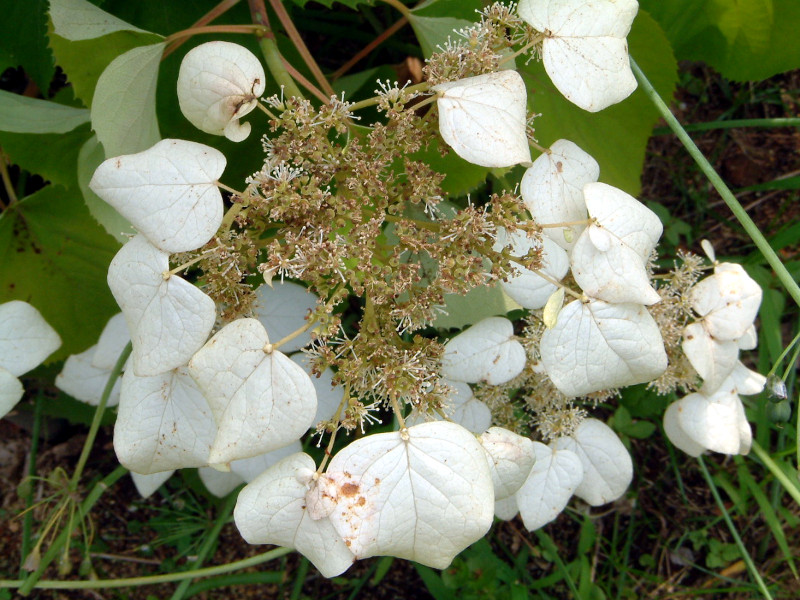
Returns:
(218, 84)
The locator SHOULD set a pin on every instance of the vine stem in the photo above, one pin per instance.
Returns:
(739, 212)
(400, 7)
(215, 12)
(269, 49)
(186, 33)
(99, 584)
(742, 550)
(364, 52)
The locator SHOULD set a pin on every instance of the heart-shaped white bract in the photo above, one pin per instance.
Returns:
(747, 382)
(282, 308)
(329, 396)
(556, 474)
(506, 509)
(584, 51)
(272, 510)
(596, 346)
(609, 260)
(728, 301)
(112, 342)
(85, 382)
(552, 189)
(218, 84)
(716, 422)
(261, 400)
(26, 339)
(487, 351)
(169, 319)
(607, 466)
(163, 423)
(510, 458)
(219, 483)
(749, 339)
(483, 118)
(464, 409)
(423, 493)
(713, 360)
(168, 192)
(11, 391)
(250, 468)
(526, 287)
(147, 485)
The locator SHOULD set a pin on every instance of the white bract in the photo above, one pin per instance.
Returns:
(487, 351)
(11, 391)
(607, 466)
(113, 339)
(728, 301)
(164, 423)
(147, 485)
(329, 396)
(261, 400)
(218, 84)
(169, 319)
(272, 510)
(510, 458)
(713, 360)
(526, 287)
(597, 345)
(423, 493)
(83, 381)
(552, 189)
(282, 308)
(609, 260)
(168, 192)
(584, 51)
(483, 118)
(555, 476)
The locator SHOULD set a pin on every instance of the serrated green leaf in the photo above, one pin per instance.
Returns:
(23, 29)
(81, 20)
(616, 136)
(83, 61)
(56, 257)
(89, 158)
(51, 155)
(124, 104)
(21, 114)
(435, 21)
(477, 304)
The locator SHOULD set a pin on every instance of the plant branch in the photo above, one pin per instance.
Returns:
(302, 80)
(401, 8)
(187, 33)
(269, 48)
(739, 212)
(365, 51)
(215, 12)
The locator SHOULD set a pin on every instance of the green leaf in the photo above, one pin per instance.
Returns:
(89, 158)
(22, 114)
(81, 20)
(477, 304)
(617, 136)
(435, 20)
(23, 37)
(83, 61)
(461, 177)
(124, 104)
(742, 39)
(51, 155)
(56, 257)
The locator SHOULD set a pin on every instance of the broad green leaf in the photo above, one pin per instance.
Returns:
(89, 158)
(51, 155)
(81, 20)
(23, 37)
(435, 21)
(83, 61)
(56, 257)
(124, 104)
(616, 136)
(477, 304)
(22, 114)
(742, 39)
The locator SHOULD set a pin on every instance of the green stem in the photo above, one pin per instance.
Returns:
(752, 230)
(776, 471)
(734, 124)
(419, 87)
(269, 49)
(32, 580)
(742, 550)
(100, 584)
(27, 521)
(98, 417)
(208, 543)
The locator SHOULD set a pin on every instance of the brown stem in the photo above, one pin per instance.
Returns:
(12, 196)
(215, 12)
(369, 48)
(294, 35)
(300, 78)
(186, 33)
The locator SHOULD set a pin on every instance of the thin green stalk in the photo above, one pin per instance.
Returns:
(742, 550)
(32, 580)
(734, 124)
(547, 542)
(100, 584)
(776, 471)
(98, 417)
(27, 520)
(222, 519)
(752, 230)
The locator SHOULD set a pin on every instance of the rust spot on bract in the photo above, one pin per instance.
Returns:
(350, 489)
(361, 501)
(560, 167)
(377, 481)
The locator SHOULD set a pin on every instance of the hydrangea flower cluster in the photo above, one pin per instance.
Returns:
(354, 212)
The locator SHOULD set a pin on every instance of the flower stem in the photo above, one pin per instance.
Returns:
(739, 212)
(27, 520)
(419, 87)
(269, 48)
